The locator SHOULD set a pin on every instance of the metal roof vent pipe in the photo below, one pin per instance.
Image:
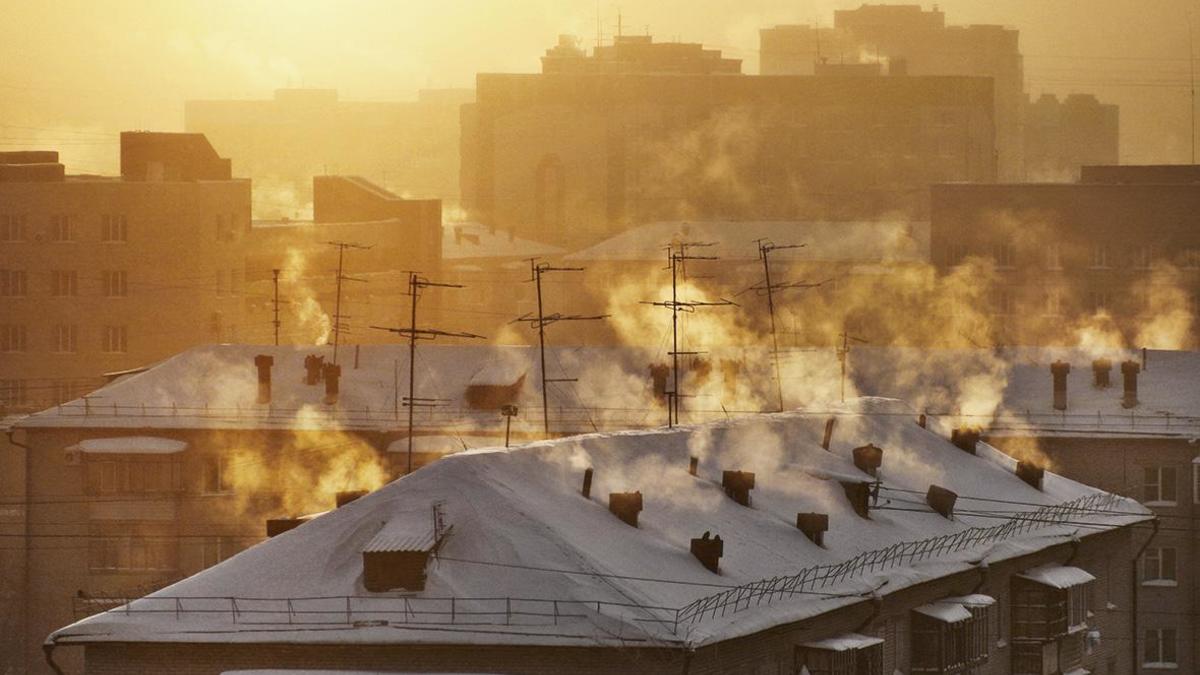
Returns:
(264, 362)
(814, 526)
(1100, 373)
(965, 438)
(1059, 370)
(587, 483)
(859, 495)
(868, 459)
(343, 498)
(1130, 370)
(941, 500)
(332, 373)
(1031, 473)
(738, 485)
(708, 550)
(313, 365)
(626, 506)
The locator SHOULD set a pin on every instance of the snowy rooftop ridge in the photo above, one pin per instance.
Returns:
(530, 560)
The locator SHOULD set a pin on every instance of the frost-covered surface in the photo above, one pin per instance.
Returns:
(844, 642)
(138, 445)
(530, 560)
(1059, 576)
(946, 612)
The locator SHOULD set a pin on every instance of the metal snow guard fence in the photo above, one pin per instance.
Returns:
(816, 577)
(366, 611)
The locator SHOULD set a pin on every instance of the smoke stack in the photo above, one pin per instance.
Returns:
(264, 362)
(332, 373)
(1059, 371)
(859, 495)
(626, 506)
(1031, 473)
(941, 500)
(1130, 370)
(828, 432)
(965, 438)
(709, 551)
(313, 365)
(344, 498)
(693, 464)
(738, 485)
(587, 483)
(814, 526)
(868, 459)
(1100, 373)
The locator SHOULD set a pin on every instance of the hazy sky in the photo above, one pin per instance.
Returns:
(72, 72)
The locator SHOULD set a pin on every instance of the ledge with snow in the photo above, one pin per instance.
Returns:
(496, 561)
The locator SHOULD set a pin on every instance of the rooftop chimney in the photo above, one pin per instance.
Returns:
(859, 495)
(344, 498)
(332, 373)
(1130, 370)
(738, 485)
(264, 362)
(941, 500)
(1100, 372)
(868, 459)
(1059, 371)
(626, 506)
(922, 422)
(312, 369)
(828, 432)
(814, 526)
(965, 438)
(693, 464)
(587, 483)
(709, 551)
(277, 526)
(1031, 473)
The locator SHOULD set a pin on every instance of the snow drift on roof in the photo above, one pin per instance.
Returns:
(134, 445)
(844, 642)
(1058, 576)
(973, 600)
(946, 612)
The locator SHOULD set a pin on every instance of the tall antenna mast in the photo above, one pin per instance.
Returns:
(416, 284)
(767, 288)
(540, 322)
(1192, 73)
(275, 303)
(338, 325)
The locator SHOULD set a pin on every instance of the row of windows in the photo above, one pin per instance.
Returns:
(1004, 302)
(113, 227)
(152, 476)
(14, 338)
(18, 393)
(1005, 255)
(113, 283)
(110, 552)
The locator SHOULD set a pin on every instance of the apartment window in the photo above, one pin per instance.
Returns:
(13, 393)
(215, 476)
(1099, 256)
(115, 284)
(66, 338)
(114, 228)
(1158, 565)
(12, 227)
(219, 549)
(140, 475)
(956, 253)
(1190, 258)
(64, 283)
(1053, 303)
(1004, 254)
(1054, 257)
(13, 337)
(1100, 301)
(1003, 302)
(132, 547)
(115, 340)
(820, 659)
(14, 283)
(1158, 486)
(949, 637)
(1159, 648)
(1143, 257)
(61, 229)
(1049, 618)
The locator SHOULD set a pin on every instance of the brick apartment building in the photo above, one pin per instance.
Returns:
(576, 154)
(101, 274)
(736, 560)
(281, 143)
(1044, 139)
(1117, 242)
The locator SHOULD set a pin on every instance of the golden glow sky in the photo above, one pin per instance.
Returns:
(74, 71)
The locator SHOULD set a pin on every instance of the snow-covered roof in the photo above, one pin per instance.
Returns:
(136, 445)
(404, 532)
(469, 241)
(1059, 576)
(530, 560)
(842, 241)
(844, 642)
(946, 612)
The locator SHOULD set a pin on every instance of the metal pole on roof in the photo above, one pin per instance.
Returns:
(275, 302)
